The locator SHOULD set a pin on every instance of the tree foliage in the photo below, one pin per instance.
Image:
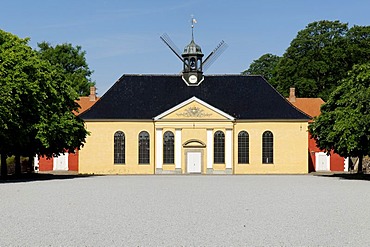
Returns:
(315, 60)
(358, 51)
(36, 103)
(265, 66)
(72, 60)
(343, 125)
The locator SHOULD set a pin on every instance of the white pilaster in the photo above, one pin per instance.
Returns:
(36, 163)
(178, 148)
(228, 148)
(158, 148)
(209, 148)
(346, 164)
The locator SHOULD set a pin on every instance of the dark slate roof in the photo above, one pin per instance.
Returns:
(146, 96)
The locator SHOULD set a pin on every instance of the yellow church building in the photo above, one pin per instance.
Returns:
(194, 123)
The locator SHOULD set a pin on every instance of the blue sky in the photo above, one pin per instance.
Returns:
(122, 37)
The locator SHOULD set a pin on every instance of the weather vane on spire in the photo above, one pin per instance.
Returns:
(192, 57)
(193, 21)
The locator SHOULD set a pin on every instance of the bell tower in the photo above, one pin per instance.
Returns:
(192, 56)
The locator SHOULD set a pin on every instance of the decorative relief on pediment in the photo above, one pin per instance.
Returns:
(194, 111)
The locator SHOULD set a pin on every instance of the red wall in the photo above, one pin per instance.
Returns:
(311, 161)
(336, 161)
(45, 164)
(73, 161)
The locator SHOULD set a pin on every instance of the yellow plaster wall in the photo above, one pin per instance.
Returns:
(290, 148)
(168, 167)
(194, 133)
(219, 167)
(97, 154)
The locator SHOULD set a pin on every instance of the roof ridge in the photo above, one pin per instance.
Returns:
(149, 74)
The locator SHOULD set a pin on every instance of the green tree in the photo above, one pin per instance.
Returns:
(343, 125)
(15, 68)
(265, 66)
(37, 104)
(315, 60)
(73, 62)
(358, 38)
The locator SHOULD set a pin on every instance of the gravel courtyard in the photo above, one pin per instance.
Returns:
(282, 210)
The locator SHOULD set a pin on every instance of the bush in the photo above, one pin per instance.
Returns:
(10, 162)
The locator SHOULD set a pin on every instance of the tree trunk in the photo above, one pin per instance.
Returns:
(30, 164)
(359, 168)
(17, 165)
(4, 167)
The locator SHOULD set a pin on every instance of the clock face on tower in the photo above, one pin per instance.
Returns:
(193, 79)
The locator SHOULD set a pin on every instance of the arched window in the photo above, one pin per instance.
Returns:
(200, 64)
(243, 147)
(193, 64)
(267, 148)
(144, 148)
(219, 148)
(119, 147)
(168, 148)
(186, 64)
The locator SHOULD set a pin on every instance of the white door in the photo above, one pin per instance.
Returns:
(60, 163)
(322, 162)
(194, 162)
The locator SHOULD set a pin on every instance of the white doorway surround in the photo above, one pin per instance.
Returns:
(194, 162)
(60, 163)
(322, 161)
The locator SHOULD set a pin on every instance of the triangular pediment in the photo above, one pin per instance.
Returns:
(194, 109)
